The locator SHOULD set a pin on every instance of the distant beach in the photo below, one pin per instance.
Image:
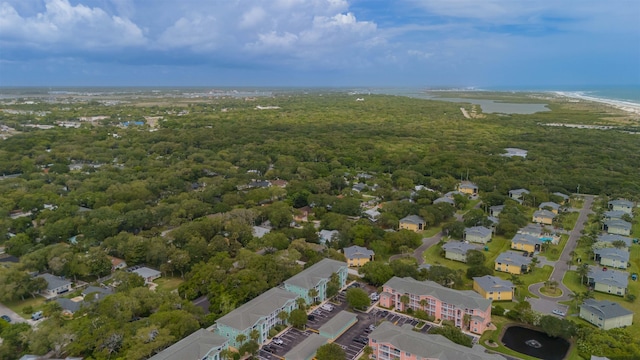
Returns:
(627, 106)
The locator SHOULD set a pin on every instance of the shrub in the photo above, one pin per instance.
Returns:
(497, 310)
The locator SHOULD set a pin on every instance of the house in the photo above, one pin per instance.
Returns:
(565, 198)
(438, 301)
(605, 314)
(306, 350)
(613, 215)
(468, 188)
(357, 255)
(359, 187)
(96, 292)
(532, 229)
(260, 231)
(451, 194)
(457, 250)
(69, 306)
(117, 263)
(525, 242)
(477, 234)
(147, 274)
(338, 324)
(549, 205)
(612, 257)
(621, 205)
(279, 183)
(607, 240)
(512, 262)
(518, 194)
(617, 227)
(325, 236)
(494, 288)
(543, 217)
(372, 214)
(608, 281)
(302, 214)
(260, 313)
(511, 152)
(389, 341)
(495, 210)
(55, 285)
(89, 295)
(445, 200)
(316, 278)
(201, 344)
(413, 223)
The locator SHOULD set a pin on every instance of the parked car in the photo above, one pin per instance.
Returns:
(374, 297)
(372, 327)
(277, 341)
(5, 318)
(362, 340)
(384, 313)
(311, 317)
(269, 348)
(558, 312)
(37, 315)
(327, 307)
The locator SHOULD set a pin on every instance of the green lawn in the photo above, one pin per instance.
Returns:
(576, 203)
(17, 306)
(431, 231)
(554, 251)
(569, 220)
(168, 283)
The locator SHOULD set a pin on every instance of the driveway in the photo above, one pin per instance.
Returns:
(417, 253)
(15, 318)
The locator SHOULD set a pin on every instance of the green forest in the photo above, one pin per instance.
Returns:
(182, 192)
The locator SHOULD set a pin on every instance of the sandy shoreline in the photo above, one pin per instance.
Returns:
(618, 104)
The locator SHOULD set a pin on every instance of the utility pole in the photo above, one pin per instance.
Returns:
(578, 189)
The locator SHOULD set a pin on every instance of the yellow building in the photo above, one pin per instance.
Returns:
(412, 222)
(357, 255)
(468, 188)
(494, 288)
(543, 217)
(513, 263)
(526, 242)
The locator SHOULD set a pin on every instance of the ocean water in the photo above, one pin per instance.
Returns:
(628, 93)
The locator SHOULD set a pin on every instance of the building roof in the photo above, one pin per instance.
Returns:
(372, 213)
(526, 239)
(617, 223)
(613, 253)
(146, 272)
(610, 238)
(564, 196)
(116, 261)
(69, 305)
(357, 252)
(426, 345)
(97, 289)
(467, 185)
(459, 247)
(621, 202)
(450, 194)
(328, 234)
(605, 309)
(412, 219)
(465, 299)
(309, 278)
(444, 200)
(259, 231)
(549, 204)
(480, 231)
(513, 258)
(338, 322)
(518, 191)
(493, 283)
(195, 346)
(532, 229)
(609, 277)
(614, 214)
(497, 208)
(54, 282)
(252, 311)
(307, 348)
(544, 214)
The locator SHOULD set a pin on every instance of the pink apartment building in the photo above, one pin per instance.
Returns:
(438, 301)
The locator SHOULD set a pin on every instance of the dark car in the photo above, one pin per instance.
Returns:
(5, 318)
(384, 313)
(269, 348)
(311, 317)
(362, 340)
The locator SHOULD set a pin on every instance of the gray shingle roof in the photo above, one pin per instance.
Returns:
(338, 322)
(195, 346)
(544, 213)
(309, 278)
(467, 185)
(459, 247)
(613, 253)
(609, 277)
(526, 239)
(621, 224)
(532, 229)
(493, 283)
(306, 348)
(549, 204)
(67, 304)
(426, 345)
(518, 192)
(146, 272)
(251, 312)
(357, 252)
(54, 282)
(513, 258)
(610, 238)
(606, 309)
(621, 202)
(412, 219)
(444, 200)
(478, 231)
(463, 299)
(564, 196)
(614, 214)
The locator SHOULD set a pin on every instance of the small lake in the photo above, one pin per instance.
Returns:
(491, 106)
(535, 343)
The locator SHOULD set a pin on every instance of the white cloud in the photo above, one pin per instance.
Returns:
(196, 31)
(252, 17)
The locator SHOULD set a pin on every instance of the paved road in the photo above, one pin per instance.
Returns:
(15, 318)
(561, 266)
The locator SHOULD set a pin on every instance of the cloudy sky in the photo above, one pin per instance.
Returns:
(512, 43)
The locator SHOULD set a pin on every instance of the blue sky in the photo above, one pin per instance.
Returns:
(482, 43)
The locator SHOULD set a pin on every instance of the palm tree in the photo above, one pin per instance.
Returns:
(254, 335)
(302, 303)
(583, 270)
(241, 338)
(404, 299)
(313, 294)
(466, 320)
(283, 316)
(424, 303)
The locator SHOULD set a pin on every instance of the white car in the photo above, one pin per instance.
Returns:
(558, 312)
(277, 341)
(327, 307)
(374, 297)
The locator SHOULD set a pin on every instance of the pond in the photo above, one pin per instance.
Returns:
(535, 343)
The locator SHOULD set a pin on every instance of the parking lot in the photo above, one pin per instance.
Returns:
(290, 339)
(397, 319)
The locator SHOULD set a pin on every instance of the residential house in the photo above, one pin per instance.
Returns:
(260, 231)
(357, 255)
(117, 263)
(457, 250)
(359, 187)
(518, 194)
(316, 278)
(513, 262)
(612, 257)
(564, 197)
(445, 200)
(451, 194)
(549, 205)
(89, 295)
(68, 306)
(525, 242)
(608, 281)
(543, 217)
(325, 236)
(306, 350)
(607, 240)
(468, 188)
(302, 214)
(372, 214)
(438, 301)
(477, 234)
(532, 229)
(494, 288)
(389, 341)
(621, 205)
(511, 152)
(201, 345)
(413, 223)
(495, 210)
(260, 313)
(605, 314)
(55, 285)
(617, 227)
(613, 215)
(147, 274)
